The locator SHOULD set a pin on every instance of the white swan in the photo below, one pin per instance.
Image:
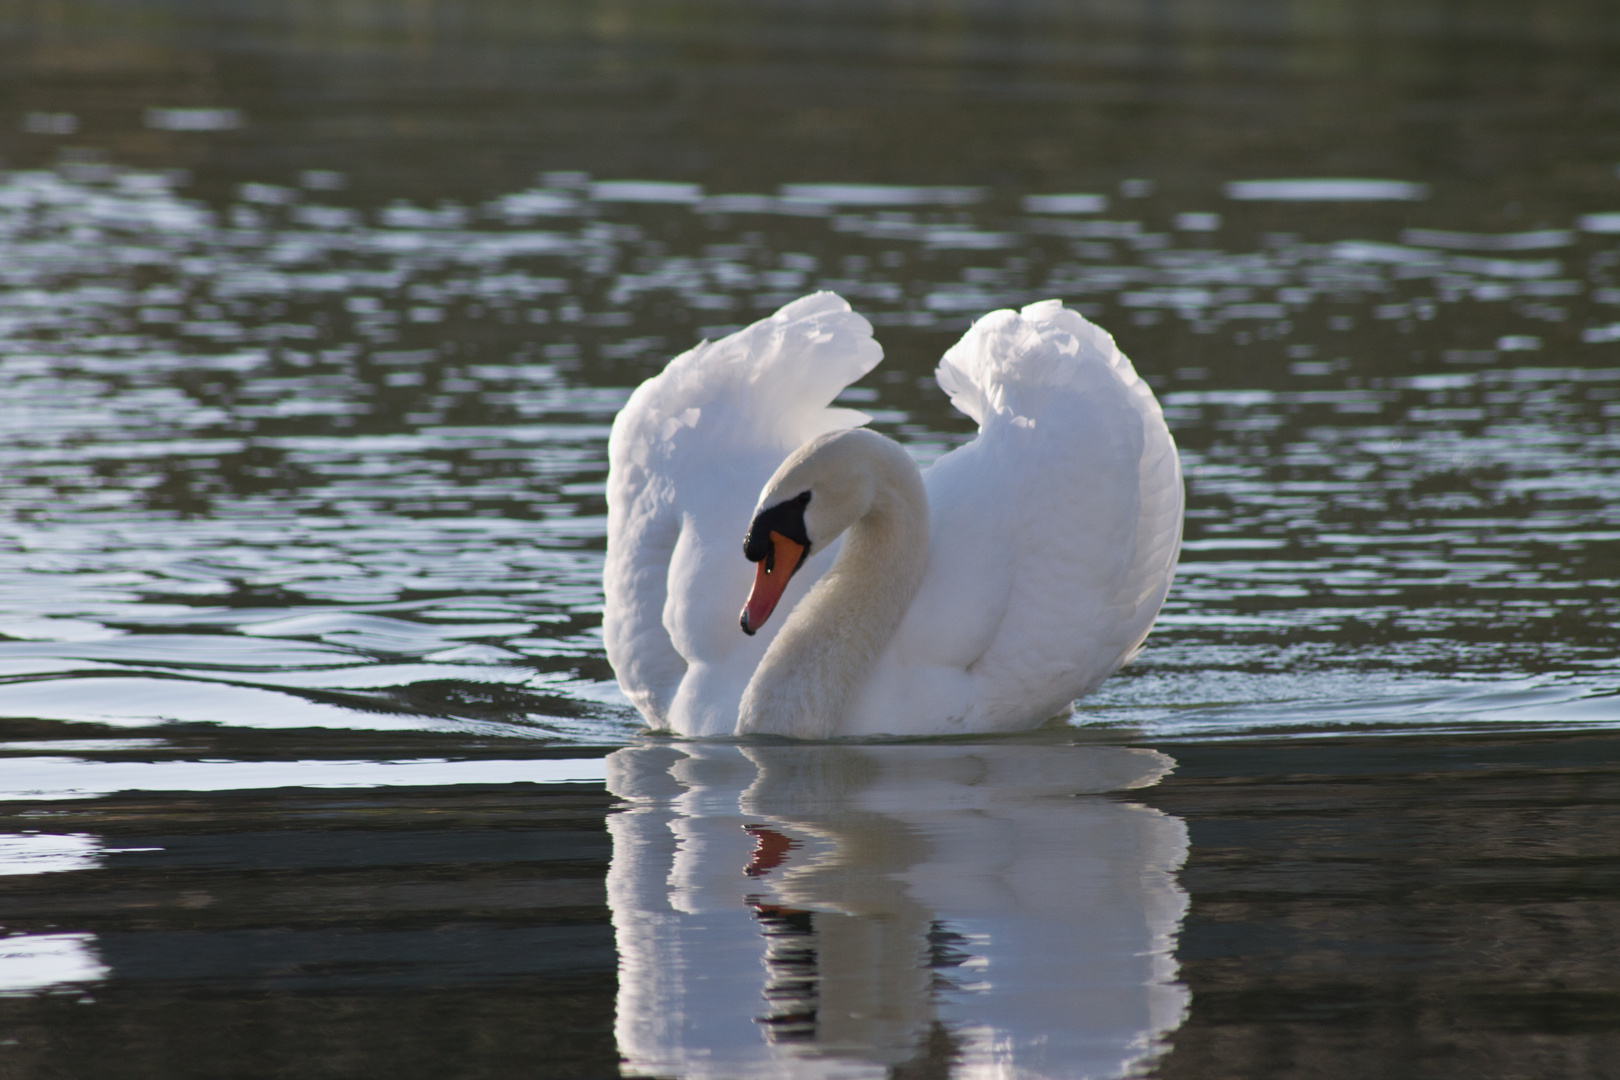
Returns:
(1018, 573)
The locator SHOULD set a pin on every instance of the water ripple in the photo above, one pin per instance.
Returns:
(280, 462)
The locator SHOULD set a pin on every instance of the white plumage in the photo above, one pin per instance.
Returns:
(1052, 536)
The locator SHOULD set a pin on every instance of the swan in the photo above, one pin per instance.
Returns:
(985, 595)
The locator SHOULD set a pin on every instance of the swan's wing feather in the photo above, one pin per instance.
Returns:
(687, 457)
(1053, 535)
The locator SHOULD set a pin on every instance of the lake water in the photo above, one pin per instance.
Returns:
(312, 325)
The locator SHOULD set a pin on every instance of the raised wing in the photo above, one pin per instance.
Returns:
(688, 456)
(1054, 534)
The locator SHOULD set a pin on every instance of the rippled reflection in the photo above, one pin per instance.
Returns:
(822, 911)
(30, 962)
(33, 962)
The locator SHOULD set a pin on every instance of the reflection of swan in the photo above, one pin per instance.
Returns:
(799, 912)
(1023, 569)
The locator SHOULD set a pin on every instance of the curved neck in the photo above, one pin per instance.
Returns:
(810, 675)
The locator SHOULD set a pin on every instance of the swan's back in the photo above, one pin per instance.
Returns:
(687, 457)
(1054, 534)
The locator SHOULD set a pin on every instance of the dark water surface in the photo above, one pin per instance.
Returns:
(312, 323)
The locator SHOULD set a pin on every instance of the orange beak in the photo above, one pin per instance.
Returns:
(770, 579)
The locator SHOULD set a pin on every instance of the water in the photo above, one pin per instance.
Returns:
(312, 325)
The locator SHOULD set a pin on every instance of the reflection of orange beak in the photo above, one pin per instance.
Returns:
(770, 579)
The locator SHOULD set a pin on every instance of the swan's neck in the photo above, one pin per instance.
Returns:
(809, 676)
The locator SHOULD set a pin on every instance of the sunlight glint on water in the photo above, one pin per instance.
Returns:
(280, 446)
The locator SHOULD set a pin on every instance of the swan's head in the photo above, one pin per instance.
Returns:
(823, 488)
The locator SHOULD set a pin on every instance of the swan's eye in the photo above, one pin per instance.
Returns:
(786, 518)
